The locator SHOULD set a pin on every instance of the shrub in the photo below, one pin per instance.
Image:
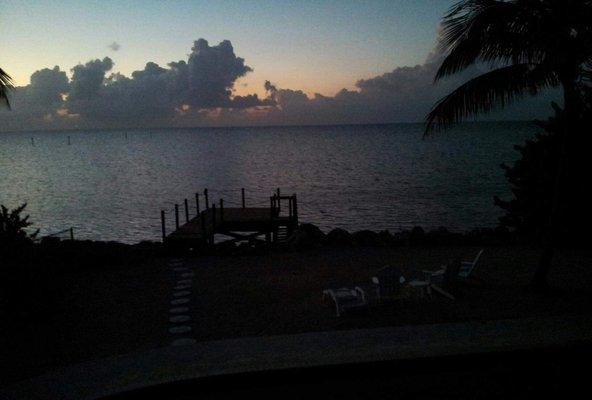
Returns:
(13, 226)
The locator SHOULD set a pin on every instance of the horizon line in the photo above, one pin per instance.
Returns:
(256, 126)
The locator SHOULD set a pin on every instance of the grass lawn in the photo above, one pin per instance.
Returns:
(98, 313)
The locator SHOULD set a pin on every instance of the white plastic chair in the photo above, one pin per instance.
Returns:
(465, 270)
(392, 280)
(440, 276)
(346, 298)
(466, 267)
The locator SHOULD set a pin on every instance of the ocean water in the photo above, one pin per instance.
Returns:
(111, 185)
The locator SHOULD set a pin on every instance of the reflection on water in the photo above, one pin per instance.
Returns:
(111, 185)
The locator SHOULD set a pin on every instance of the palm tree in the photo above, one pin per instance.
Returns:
(5, 86)
(530, 45)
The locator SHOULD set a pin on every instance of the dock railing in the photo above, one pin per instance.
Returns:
(216, 215)
(67, 234)
(276, 206)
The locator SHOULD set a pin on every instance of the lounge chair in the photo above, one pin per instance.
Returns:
(444, 278)
(389, 282)
(443, 281)
(346, 298)
(466, 267)
(465, 270)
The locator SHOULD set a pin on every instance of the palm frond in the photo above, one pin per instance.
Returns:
(464, 29)
(5, 87)
(492, 31)
(495, 88)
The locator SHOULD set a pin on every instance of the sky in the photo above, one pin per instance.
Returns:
(315, 56)
(304, 45)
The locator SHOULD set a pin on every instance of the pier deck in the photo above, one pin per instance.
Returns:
(240, 223)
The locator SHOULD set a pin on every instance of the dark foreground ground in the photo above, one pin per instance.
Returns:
(101, 312)
(538, 357)
(532, 374)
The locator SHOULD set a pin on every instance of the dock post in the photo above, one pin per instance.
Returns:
(162, 225)
(221, 210)
(176, 216)
(186, 211)
(206, 197)
(295, 213)
(71, 233)
(213, 223)
(202, 217)
(197, 203)
(271, 205)
(243, 196)
(279, 201)
(269, 235)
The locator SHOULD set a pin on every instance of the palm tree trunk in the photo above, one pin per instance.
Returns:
(550, 235)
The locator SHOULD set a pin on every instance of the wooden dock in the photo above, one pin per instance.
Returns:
(276, 222)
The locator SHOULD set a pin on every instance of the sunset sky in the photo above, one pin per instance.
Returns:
(141, 64)
(309, 45)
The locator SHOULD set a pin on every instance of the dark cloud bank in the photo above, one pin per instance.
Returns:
(199, 92)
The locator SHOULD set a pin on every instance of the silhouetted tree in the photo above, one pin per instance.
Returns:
(5, 86)
(532, 179)
(531, 45)
(13, 226)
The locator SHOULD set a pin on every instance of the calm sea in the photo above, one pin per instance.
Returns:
(111, 185)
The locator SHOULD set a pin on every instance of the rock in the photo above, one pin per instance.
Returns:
(366, 238)
(339, 237)
(50, 241)
(417, 235)
(225, 248)
(386, 238)
(305, 237)
(245, 248)
(440, 236)
(313, 231)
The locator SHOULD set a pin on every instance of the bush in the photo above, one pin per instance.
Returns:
(367, 238)
(13, 226)
(339, 237)
(533, 178)
(305, 237)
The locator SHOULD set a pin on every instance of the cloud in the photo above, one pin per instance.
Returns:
(155, 94)
(402, 95)
(212, 72)
(37, 103)
(406, 94)
(199, 91)
(114, 46)
(88, 79)
(45, 91)
(47, 85)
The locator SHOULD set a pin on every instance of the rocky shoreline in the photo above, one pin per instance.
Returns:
(73, 254)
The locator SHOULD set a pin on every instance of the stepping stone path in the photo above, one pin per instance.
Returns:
(183, 342)
(178, 310)
(179, 319)
(182, 287)
(180, 329)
